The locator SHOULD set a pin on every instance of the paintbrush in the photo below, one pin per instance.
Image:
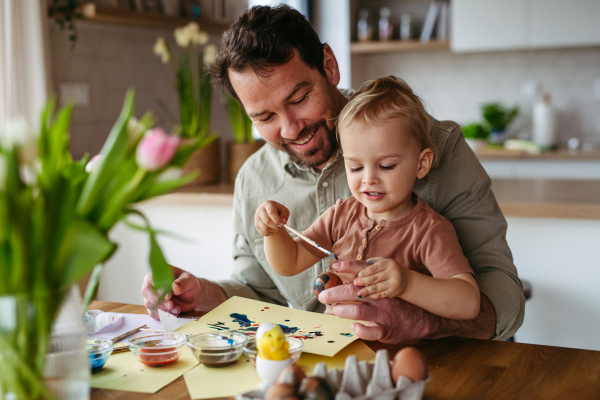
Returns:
(311, 242)
(126, 334)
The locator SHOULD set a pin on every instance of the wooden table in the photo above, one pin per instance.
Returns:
(461, 369)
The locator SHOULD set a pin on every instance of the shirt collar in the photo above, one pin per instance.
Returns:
(294, 169)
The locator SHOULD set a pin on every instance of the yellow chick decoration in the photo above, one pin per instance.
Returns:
(271, 342)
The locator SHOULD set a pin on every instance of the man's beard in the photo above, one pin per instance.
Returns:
(319, 154)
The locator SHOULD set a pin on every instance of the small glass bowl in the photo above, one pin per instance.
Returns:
(217, 350)
(157, 349)
(98, 352)
(296, 346)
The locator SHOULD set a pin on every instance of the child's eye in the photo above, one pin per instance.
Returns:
(355, 169)
(387, 167)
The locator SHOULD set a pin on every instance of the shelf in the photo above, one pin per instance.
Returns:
(395, 46)
(122, 16)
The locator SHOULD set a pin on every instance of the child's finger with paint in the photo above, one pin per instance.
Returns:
(268, 216)
(278, 213)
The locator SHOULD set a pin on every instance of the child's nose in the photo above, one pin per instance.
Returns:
(370, 179)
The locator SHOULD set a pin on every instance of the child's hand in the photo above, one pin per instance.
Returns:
(270, 217)
(385, 278)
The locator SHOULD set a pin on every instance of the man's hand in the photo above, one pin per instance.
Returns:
(395, 320)
(188, 293)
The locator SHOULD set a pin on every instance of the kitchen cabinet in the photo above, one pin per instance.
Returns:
(487, 25)
(565, 23)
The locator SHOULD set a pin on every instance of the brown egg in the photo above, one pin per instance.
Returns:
(281, 391)
(411, 363)
(326, 281)
(292, 375)
(316, 389)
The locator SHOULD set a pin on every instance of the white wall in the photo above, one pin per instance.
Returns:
(559, 257)
(455, 85)
(206, 252)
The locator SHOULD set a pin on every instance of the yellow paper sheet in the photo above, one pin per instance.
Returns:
(206, 383)
(124, 372)
(328, 333)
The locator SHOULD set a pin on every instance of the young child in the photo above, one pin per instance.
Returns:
(383, 132)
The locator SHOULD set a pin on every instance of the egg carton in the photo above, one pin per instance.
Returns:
(358, 381)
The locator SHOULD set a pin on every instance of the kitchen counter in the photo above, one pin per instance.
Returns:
(539, 198)
(499, 154)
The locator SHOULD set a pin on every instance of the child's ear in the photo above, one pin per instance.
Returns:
(425, 161)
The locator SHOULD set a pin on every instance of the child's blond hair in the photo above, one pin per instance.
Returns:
(384, 99)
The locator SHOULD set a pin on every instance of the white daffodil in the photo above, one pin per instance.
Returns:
(28, 174)
(94, 163)
(210, 54)
(169, 174)
(162, 50)
(2, 173)
(17, 133)
(183, 36)
(200, 37)
(135, 129)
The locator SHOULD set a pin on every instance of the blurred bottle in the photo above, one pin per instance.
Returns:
(405, 27)
(365, 30)
(386, 28)
(544, 122)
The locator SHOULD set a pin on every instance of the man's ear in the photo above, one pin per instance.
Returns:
(330, 64)
(425, 161)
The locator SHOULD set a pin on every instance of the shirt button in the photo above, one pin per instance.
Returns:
(359, 257)
(378, 227)
(325, 184)
(364, 241)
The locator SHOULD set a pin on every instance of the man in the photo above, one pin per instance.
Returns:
(272, 61)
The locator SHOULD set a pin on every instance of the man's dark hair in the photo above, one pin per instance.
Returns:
(262, 38)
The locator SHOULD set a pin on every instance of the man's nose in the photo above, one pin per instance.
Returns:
(291, 126)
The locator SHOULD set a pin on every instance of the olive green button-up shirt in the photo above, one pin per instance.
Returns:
(457, 187)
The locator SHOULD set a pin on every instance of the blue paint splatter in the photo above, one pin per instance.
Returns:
(241, 319)
(346, 334)
(287, 329)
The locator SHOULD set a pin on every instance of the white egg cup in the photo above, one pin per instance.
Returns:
(269, 370)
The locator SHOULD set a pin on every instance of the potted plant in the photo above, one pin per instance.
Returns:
(244, 144)
(55, 219)
(476, 136)
(195, 98)
(497, 118)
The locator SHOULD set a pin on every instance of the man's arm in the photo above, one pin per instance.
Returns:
(462, 193)
(249, 279)
(395, 320)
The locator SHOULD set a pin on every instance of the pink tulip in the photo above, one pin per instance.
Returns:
(156, 149)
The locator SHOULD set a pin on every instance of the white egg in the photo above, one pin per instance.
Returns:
(269, 370)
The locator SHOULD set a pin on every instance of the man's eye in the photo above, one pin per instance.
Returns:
(387, 167)
(355, 169)
(266, 119)
(301, 100)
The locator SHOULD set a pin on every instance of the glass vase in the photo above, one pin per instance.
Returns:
(42, 347)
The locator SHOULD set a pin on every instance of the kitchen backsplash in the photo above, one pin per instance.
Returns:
(455, 85)
(109, 60)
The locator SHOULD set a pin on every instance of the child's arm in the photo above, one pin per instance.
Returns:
(456, 297)
(285, 255)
